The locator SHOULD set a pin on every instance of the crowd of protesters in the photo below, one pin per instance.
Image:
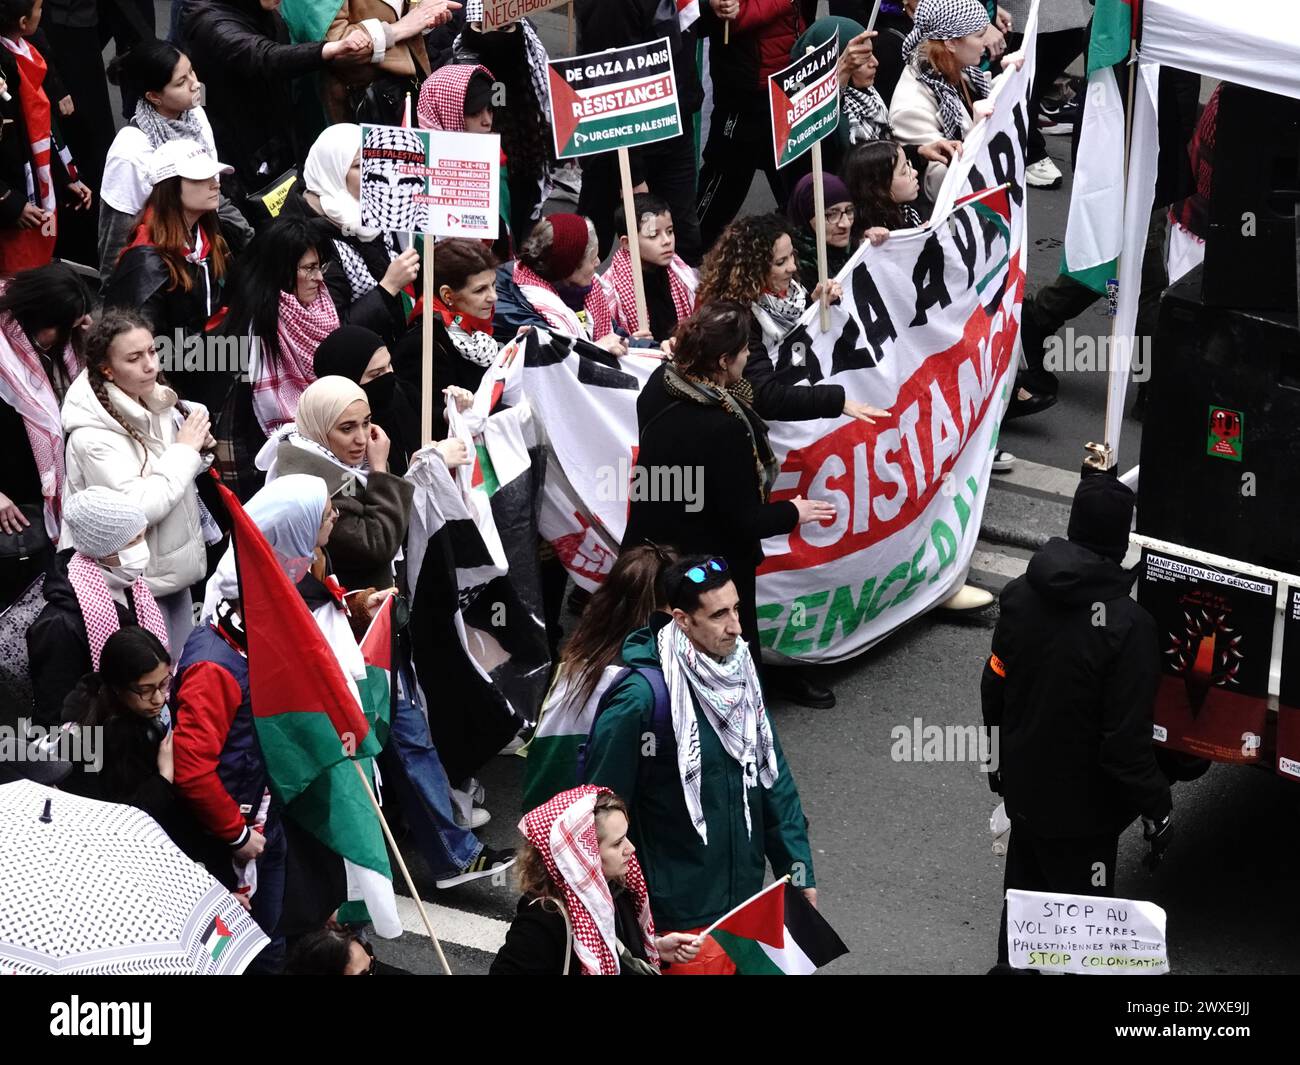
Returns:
(240, 218)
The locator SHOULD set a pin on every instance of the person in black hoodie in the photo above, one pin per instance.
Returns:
(665, 168)
(1069, 687)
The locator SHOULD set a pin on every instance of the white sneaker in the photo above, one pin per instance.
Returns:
(478, 817)
(1044, 174)
(1003, 461)
(967, 600)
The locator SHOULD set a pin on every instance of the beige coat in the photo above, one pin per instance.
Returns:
(99, 451)
(409, 59)
(914, 114)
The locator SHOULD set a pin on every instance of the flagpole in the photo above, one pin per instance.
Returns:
(401, 863)
(633, 240)
(819, 218)
(426, 347)
(570, 27)
(734, 910)
(1102, 456)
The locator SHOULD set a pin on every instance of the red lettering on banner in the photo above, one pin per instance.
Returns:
(891, 470)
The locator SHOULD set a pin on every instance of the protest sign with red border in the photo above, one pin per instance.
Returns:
(805, 98)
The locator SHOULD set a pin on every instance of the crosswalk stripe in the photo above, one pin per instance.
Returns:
(998, 563)
(465, 929)
(1050, 479)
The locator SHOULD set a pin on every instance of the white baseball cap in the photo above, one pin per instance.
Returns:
(187, 159)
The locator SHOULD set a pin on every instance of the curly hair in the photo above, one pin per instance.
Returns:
(737, 266)
(530, 868)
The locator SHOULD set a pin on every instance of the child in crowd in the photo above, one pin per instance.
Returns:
(669, 283)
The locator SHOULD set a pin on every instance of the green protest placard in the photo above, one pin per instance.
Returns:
(620, 98)
(805, 98)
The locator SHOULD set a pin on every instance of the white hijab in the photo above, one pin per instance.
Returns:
(326, 175)
(288, 512)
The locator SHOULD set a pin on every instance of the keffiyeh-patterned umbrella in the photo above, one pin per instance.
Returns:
(97, 888)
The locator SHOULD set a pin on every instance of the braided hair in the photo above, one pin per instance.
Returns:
(108, 327)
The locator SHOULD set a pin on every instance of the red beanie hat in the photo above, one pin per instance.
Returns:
(568, 245)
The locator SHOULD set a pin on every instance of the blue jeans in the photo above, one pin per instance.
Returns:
(268, 899)
(422, 785)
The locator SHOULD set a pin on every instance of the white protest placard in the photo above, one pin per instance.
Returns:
(427, 181)
(498, 12)
(1085, 934)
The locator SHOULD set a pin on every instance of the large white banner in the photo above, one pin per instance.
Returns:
(927, 329)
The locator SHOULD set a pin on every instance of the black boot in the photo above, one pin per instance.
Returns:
(794, 684)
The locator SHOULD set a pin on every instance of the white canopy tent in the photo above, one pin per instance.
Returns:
(1251, 42)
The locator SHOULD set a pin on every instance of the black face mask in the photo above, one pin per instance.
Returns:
(380, 392)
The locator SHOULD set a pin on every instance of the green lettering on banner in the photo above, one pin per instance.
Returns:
(790, 643)
(916, 577)
(898, 573)
(769, 612)
(945, 540)
(843, 611)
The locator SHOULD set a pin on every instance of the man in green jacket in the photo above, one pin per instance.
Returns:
(711, 796)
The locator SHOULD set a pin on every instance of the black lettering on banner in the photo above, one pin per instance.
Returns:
(787, 370)
(847, 355)
(1002, 154)
(963, 235)
(1022, 130)
(598, 367)
(992, 232)
(977, 182)
(927, 278)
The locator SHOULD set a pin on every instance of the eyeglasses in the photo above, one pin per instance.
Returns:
(836, 215)
(700, 574)
(147, 691)
(316, 271)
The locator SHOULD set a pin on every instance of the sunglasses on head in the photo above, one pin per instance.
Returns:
(700, 574)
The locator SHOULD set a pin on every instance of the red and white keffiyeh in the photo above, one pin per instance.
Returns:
(564, 832)
(25, 386)
(100, 612)
(442, 97)
(682, 283)
(277, 387)
(559, 315)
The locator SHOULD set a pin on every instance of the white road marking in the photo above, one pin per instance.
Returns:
(454, 926)
(998, 563)
(1050, 479)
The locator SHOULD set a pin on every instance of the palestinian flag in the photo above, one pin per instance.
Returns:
(216, 937)
(1094, 232)
(378, 692)
(687, 12)
(777, 933)
(309, 723)
(309, 19)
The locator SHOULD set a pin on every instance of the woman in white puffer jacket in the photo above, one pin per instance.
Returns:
(124, 430)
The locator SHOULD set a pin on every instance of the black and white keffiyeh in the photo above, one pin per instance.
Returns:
(388, 196)
(944, 20)
(732, 700)
(536, 51)
(475, 346)
(866, 113)
(953, 112)
(780, 314)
